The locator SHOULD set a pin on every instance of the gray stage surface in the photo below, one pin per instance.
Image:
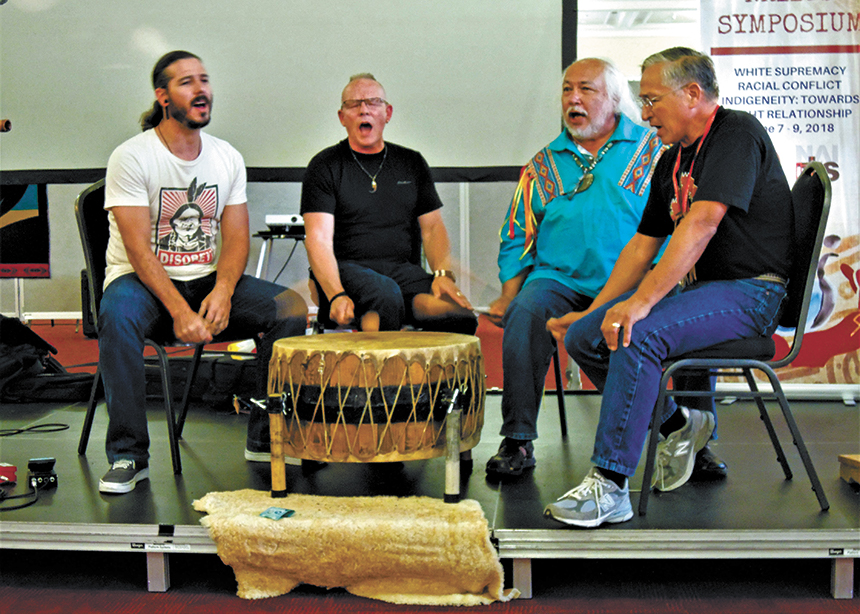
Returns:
(755, 513)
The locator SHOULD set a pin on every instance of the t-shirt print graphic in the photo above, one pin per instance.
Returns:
(185, 229)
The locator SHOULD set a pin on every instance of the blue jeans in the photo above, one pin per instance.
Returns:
(700, 315)
(527, 349)
(129, 312)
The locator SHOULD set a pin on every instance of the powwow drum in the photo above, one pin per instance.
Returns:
(376, 397)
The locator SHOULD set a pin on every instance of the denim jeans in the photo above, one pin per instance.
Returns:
(129, 312)
(698, 316)
(527, 349)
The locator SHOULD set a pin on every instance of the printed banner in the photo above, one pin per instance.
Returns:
(24, 238)
(795, 65)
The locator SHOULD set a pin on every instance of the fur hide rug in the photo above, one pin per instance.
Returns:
(405, 550)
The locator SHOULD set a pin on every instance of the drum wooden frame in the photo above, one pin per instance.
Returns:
(375, 397)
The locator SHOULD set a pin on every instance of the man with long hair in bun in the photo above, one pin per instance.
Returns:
(156, 284)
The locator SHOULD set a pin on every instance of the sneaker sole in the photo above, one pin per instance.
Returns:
(266, 457)
(124, 487)
(589, 524)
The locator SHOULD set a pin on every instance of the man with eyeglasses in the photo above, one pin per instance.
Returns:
(577, 203)
(722, 197)
(369, 206)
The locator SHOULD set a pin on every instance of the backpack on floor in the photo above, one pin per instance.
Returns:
(30, 373)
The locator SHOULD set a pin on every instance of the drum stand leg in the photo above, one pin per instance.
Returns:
(452, 455)
(276, 447)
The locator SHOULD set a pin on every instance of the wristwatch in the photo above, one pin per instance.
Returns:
(445, 273)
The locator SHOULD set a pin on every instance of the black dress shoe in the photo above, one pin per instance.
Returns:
(708, 466)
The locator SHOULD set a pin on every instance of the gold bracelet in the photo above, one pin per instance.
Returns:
(445, 273)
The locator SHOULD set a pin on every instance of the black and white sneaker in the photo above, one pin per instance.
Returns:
(122, 476)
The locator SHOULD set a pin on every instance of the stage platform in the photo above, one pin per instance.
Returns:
(755, 513)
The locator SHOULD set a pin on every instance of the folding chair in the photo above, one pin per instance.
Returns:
(810, 199)
(94, 229)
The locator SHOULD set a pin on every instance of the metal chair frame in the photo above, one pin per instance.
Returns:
(811, 203)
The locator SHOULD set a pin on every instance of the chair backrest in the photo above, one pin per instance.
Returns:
(94, 228)
(810, 198)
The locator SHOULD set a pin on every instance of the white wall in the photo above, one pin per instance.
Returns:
(471, 82)
(418, 95)
(628, 52)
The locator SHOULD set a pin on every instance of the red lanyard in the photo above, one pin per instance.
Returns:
(681, 205)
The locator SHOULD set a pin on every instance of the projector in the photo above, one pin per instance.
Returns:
(286, 224)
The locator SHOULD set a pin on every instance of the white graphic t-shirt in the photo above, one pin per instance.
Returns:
(185, 200)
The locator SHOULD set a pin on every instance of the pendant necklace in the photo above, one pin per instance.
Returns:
(166, 144)
(587, 177)
(679, 207)
(162, 139)
(372, 177)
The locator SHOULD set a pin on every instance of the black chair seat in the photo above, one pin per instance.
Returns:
(757, 348)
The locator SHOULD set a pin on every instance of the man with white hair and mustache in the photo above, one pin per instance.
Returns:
(578, 202)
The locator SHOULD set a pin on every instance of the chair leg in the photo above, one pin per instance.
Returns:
(164, 367)
(653, 440)
(798, 441)
(91, 412)
(650, 457)
(559, 392)
(186, 396)
(780, 455)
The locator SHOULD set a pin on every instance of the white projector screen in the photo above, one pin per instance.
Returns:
(474, 83)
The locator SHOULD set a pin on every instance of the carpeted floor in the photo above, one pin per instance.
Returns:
(83, 583)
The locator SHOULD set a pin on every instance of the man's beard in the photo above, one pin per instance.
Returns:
(585, 132)
(196, 125)
(181, 116)
(593, 129)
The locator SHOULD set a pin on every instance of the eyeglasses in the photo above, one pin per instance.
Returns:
(355, 103)
(650, 101)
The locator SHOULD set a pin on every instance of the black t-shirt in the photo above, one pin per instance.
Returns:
(737, 166)
(371, 226)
